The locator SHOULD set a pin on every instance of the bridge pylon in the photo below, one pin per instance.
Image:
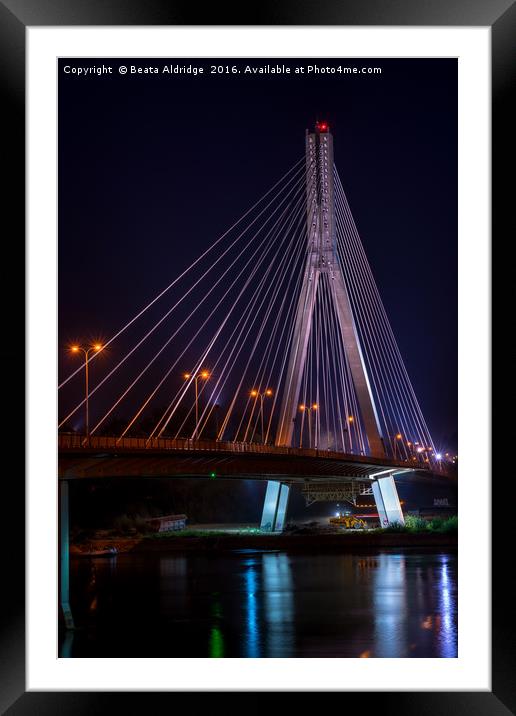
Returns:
(322, 259)
(322, 263)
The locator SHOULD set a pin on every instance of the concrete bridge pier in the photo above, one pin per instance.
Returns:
(387, 501)
(275, 504)
(64, 555)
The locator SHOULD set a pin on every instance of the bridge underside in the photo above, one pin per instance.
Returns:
(289, 465)
(321, 475)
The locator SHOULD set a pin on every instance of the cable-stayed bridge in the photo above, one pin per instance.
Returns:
(270, 357)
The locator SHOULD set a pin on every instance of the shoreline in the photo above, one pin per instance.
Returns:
(282, 542)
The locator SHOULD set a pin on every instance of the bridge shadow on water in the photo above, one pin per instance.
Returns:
(264, 604)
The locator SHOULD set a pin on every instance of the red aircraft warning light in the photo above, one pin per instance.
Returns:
(322, 126)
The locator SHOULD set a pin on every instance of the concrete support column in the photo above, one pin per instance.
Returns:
(275, 506)
(64, 555)
(387, 501)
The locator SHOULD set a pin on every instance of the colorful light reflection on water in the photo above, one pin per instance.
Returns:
(266, 604)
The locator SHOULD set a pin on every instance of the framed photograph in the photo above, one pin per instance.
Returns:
(258, 353)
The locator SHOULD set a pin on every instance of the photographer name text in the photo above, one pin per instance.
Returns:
(195, 70)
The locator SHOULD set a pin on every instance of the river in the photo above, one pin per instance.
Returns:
(264, 604)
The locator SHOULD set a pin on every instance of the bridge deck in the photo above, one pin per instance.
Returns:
(101, 456)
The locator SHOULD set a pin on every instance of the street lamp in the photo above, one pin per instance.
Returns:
(308, 409)
(96, 347)
(398, 436)
(256, 394)
(204, 375)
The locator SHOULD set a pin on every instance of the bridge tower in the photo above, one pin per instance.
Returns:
(322, 258)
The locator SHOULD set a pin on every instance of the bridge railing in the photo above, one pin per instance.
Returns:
(74, 441)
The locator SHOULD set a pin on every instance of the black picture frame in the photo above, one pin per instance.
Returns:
(15, 17)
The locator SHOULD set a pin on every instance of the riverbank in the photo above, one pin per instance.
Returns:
(341, 542)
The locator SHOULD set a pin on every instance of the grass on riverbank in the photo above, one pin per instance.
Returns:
(203, 533)
(413, 525)
(138, 532)
(417, 525)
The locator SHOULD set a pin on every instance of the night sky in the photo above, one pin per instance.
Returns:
(153, 168)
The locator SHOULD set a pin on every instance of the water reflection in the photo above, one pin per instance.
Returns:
(278, 604)
(266, 604)
(216, 636)
(447, 633)
(390, 606)
(251, 586)
(415, 609)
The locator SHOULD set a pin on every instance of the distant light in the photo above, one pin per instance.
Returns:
(205, 374)
(74, 349)
(213, 474)
(187, 376)
(322, 126)
(268, 391)
(438, 456)
(302, 407)
(254, 393)
(97, 347)
(337, 514)
(314, 406)
(351, 418)
(398, 436)
(420, 449)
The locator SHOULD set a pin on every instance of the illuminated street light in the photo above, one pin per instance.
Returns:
(398, 436)
(205, 376)
(308, 409)
(256, 394)
(96, 347)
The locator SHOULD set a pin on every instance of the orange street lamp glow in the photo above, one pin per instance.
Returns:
(256, 394)
(308, 410)
(350, 419)
(205, 375)
(398, 436)
(77, 349)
